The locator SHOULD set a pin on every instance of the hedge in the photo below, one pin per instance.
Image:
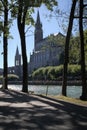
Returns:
(11, 77)
(56, 72)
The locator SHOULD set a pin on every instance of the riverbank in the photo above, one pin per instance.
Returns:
(47, 82)
(72, 91)
(75, 101)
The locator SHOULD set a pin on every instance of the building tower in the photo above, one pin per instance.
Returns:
(17, 58)
(17, 63)
(38, 31)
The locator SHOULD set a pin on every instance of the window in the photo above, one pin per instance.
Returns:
(17, 62)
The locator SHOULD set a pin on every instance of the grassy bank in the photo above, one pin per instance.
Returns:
(71, 100)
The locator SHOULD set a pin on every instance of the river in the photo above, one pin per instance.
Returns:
(72, 91)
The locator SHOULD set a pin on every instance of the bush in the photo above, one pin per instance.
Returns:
(38, 74)
(11, 77)
(74, 70)
(56, 73)
(49, 73)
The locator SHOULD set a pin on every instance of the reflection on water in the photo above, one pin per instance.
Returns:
(72, 91)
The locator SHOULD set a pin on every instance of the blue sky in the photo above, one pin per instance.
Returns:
(50, 26)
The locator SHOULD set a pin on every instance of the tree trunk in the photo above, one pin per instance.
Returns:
(24, 58)
(21, 27)
(5, 44)
(84, 87)
(25, 67)
(66, 59)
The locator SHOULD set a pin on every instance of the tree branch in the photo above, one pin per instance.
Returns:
(84, 5)
(77, 17)
(24, 14)
(28, 29)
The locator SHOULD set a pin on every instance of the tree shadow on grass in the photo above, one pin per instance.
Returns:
(39, 113)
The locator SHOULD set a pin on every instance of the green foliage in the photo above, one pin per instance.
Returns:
(11, 77)
(74, 51)
(28, 6)
(74, 47)
(1, 77)
(50, 73)
(1, 26)
(5, 27)
(37, 3)
(38, 74)
(56, 72)
(57, 39)
(74, 70)
(61, 58)
(29, 19)
(50, 4)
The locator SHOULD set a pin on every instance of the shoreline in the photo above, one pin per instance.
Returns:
(70, 83)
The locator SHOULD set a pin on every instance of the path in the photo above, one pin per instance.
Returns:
(19, 111)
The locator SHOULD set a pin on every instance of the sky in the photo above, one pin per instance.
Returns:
(49, 25)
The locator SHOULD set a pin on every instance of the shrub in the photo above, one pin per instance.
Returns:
(38, 74)
(51, 73)
(74, 70)
(10, 77)
(56, 73)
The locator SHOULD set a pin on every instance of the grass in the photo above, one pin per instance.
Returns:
(71, 100)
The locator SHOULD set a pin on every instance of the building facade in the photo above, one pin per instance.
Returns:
(17, 68)
(46, 51)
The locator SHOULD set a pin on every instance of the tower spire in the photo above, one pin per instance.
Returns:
(38, 18)
(17, 58)
(38, 21)
(17, 51)
(38, 31)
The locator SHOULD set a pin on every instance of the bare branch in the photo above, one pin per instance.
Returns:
(28, 29)
(29, 35)
(84, 5)
(77, 17)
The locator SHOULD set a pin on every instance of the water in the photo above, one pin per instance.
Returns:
(72, 91)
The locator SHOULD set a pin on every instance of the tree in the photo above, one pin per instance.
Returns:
(85, 38)
(84, 87)
(81, 12)
(66, 57)
(4, 10)
(24, 8)
(22, 11)
(74, 50)
(5, 42)
(5, 7)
